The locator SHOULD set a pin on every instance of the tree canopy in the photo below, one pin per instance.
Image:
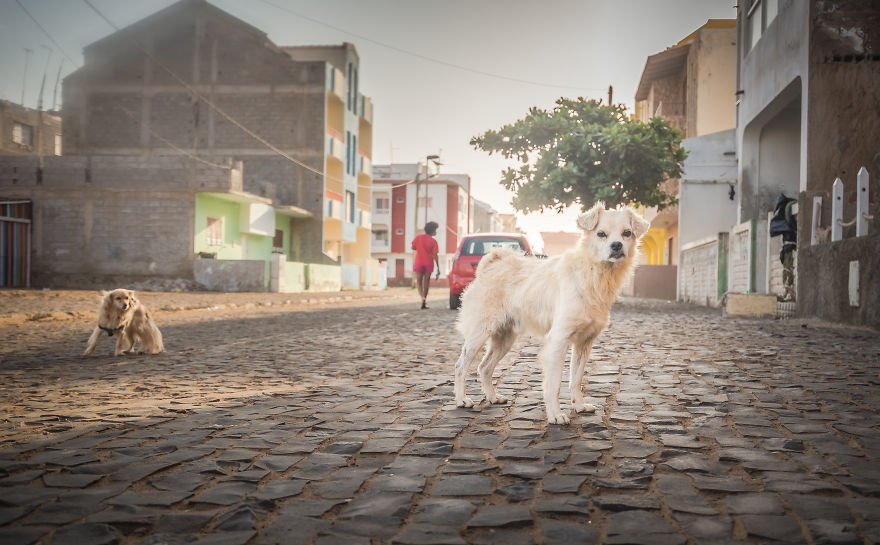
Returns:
(581, 152)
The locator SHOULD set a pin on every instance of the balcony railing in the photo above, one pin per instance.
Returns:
(335, 82)
(366, 108)
(365, 165)
(335, 148)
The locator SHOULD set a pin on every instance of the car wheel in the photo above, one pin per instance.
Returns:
(454, 301)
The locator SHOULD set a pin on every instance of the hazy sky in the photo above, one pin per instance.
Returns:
(421, 107)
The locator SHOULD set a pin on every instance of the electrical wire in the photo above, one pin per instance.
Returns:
(46, 32)
(176, 148)
(217, 109)
(427, 58)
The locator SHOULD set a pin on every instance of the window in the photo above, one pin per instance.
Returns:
(278, 242)
(759, 16)
(214, 232)
(400, 199)
(57, 144)
(22, 134)
(349, 207)
(381, 236)
(348, 152)
(425, 201)
(398, 231)
(381, 203)
(483, 245)
(354, 151)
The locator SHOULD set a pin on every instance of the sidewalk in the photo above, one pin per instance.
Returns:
(20, 306)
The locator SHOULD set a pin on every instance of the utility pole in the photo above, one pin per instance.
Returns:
(40, 109)
(27, 53)
(610, 95)
(57, 80)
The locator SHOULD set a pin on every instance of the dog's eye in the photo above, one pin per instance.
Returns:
(601, 234)
(627, 233)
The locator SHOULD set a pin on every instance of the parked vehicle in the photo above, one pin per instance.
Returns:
(470, 251)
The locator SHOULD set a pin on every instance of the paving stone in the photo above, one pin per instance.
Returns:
(561, 484)
(444, 512)
(414, 465)
(711, 529)
(495, 516)
(780, 528)
(557, 532)
(462, 485)
(163, 498)
(87, 532)
(721, 484)
(290, 529)
(633, 448)
(240, 519)
(224, 493)
(757, 503)
(518, 454)
(564, 505)
(468, 468)
(377, 506)
(277, 462)
(485, 442)
(821, 507)
(428, 534)
(23, 535)
(517, 491)
(69, 480)
(695, 463)
(499, 537)
(398, 483)
(431, 448)
(525, 471)
(641, 527)
(226, 538)
(181, 481)
(690, 503)
(184, 523)
(310, 507)
(623, 502)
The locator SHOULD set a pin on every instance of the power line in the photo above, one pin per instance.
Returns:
(46, 32)
(217, 109)
(425, 57)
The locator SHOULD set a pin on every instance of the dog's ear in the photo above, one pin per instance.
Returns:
(639, 224)
(590, 219)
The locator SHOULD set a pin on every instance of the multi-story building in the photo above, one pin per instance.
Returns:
(25, 131)
(484, 218)
(807, 114)
(691, 86)
(404, 200)
(193, 85)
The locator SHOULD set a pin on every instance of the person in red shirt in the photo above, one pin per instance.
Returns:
(426, 259)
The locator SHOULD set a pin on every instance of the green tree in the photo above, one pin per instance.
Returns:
(581, 152)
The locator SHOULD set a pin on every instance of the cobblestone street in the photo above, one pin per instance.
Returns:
(335, 424)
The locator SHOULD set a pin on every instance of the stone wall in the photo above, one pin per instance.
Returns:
(102, 219)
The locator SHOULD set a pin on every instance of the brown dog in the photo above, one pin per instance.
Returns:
(120, 313)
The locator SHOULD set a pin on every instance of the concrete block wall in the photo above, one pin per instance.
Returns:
(698, 273)
(108, 219)
(123, 103)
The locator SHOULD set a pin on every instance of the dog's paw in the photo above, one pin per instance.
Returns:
(466, 403)
(584, 408)
(559, 418)
(497, 400)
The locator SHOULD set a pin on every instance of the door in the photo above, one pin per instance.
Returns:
(15, 244)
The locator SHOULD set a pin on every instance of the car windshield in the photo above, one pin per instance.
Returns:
(483, 245)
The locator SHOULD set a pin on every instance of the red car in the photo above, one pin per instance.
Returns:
(470, 251)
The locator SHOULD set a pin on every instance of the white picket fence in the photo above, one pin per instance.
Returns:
(860, 220)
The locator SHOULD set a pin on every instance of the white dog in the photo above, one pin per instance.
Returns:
(566, 299)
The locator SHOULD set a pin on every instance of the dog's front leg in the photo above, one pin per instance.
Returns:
(469, 353)
(93, 341)
(120, 343)
(580, 354)
(552, 357)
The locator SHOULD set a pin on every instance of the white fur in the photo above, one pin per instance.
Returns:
(566, 300)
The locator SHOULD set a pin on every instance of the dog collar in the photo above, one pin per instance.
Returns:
(109, 330)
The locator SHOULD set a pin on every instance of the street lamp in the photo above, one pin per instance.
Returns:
(428, 158)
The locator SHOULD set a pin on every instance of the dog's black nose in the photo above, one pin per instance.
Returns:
(616, 246)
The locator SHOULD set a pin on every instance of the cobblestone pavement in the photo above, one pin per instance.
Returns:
(336, 424)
